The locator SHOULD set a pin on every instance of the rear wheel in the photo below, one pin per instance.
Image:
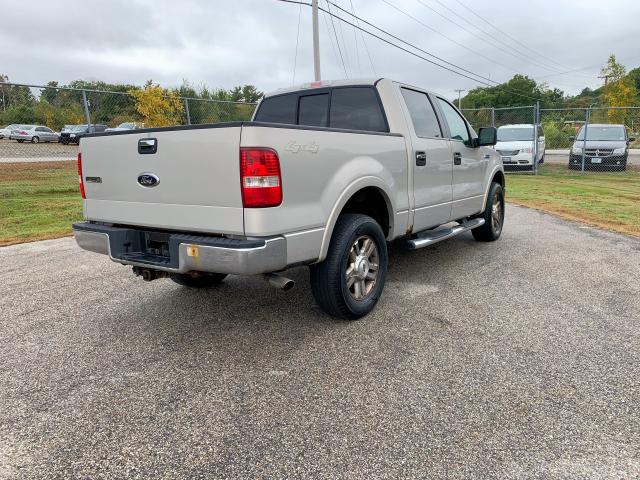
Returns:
(493, 216)
(349, 282)
(35, 140)
(203, 280)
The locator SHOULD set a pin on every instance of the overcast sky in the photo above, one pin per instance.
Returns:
(222, 43)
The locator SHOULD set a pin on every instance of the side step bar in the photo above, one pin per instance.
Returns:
(429, 237)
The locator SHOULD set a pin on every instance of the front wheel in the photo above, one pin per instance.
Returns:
(35, 140)
(493, 215)
(203, 280)
(349, 282)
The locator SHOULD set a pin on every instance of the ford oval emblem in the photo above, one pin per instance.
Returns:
(148, 180)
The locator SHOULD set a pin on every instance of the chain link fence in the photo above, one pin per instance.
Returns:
(40, 130)
(592, 139)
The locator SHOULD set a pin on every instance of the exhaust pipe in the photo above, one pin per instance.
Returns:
(280, 282)
(149, 274)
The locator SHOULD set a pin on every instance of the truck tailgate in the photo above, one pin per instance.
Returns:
(197, 172)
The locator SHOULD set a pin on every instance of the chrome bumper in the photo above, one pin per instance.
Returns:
(186, 253)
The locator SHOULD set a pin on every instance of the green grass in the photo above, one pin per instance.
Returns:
(38, 201)
(41, 200)
(607, 200)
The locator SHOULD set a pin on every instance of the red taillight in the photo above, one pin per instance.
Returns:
(260, 178)
(80, 175)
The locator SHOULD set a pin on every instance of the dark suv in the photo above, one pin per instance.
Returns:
(606, 148)
(73, 133)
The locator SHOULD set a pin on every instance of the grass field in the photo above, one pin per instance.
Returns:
(38, 200)
(41, 200)
(606, 200)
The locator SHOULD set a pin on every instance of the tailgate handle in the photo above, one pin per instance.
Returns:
(147, 145)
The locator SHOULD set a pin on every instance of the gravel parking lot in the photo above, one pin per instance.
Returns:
(12, 151)
(517, 359)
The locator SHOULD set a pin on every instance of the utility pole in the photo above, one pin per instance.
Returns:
(606, 79)
(460, 90)
(316, 42)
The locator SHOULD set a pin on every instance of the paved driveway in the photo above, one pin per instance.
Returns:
(517, 359)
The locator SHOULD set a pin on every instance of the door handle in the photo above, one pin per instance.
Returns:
(421, 159)
(457, 158)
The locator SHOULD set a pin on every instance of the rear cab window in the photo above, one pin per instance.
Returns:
(349, 108)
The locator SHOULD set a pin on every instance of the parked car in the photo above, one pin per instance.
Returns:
(516, 146)
(124, 126)
(75, 132)
(606, 147)
(6, 131)
(33, 134)
(328, 173)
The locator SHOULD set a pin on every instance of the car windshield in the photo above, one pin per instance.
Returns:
(78, 128)
(508, 134)
(613, 133)
(126, 125)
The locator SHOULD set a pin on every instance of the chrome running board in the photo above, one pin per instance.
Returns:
(430, 237)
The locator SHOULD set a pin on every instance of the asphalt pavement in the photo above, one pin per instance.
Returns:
(514, 359)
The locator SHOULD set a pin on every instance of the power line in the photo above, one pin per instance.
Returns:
(444, 36)
(507, 35)
(415, 47)
(444, 67)
(519, 55)
(336, 35)
(295, 58)
(373, 70)
(355, 40)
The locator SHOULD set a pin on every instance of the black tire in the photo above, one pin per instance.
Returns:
(35, 139)
(329, 283)
(493, 218)
(204, 280)
(20, 141)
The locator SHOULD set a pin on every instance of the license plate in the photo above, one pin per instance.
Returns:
(596, 160)
(506, 159)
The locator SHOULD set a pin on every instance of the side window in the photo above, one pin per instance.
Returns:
(356, 108)
(457, 125)
(313, 110)
(40, 129)
(280, 109)
(47, 129)
(423, 116)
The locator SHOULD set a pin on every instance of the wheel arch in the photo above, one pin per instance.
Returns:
(367, 195)
(497, 175)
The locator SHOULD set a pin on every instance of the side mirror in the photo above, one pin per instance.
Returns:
(632, 139)
(487, 136)
(572, 138)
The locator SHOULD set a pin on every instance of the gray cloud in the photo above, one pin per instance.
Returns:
(223, 43)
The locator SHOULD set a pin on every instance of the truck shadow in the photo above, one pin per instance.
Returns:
(247, 320)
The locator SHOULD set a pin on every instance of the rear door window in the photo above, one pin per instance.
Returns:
(314, 110)
(280, 109)
(423, 116)
(356, 108)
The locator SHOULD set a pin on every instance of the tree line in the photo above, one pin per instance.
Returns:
(150, 104)
(622, 89)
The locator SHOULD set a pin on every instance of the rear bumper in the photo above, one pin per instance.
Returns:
(181, 253)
